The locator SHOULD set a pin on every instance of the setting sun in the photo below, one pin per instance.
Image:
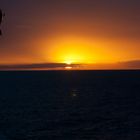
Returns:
(71, 51)
(68, 62)
(79, 50)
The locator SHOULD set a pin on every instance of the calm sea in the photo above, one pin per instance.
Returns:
(70, 105)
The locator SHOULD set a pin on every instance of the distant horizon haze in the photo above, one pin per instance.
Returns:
(135, 64)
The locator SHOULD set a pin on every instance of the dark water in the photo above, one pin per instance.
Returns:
(70, 105)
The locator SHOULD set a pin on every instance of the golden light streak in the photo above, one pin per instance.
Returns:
(68, 67)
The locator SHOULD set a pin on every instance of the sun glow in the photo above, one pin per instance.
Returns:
(74, 50)
(68, 62)
(71, 51)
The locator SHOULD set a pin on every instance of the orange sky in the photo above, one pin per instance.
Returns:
(70, 31)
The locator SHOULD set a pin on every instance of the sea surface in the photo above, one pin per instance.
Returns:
(70, 105)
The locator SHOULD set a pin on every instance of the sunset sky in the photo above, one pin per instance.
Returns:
(70, 31)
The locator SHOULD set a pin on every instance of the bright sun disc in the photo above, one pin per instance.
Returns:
(68, 62)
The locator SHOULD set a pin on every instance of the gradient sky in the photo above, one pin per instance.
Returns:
(92, 31)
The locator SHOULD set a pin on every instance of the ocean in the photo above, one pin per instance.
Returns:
(70, 105)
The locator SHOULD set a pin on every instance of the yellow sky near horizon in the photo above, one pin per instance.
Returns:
(75, 49)
(86, 50)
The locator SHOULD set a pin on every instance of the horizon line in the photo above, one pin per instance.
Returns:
(132, 64)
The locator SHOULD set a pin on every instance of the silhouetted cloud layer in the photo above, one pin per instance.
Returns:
(61, 66)
(42, 66)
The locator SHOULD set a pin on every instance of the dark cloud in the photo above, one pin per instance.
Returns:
(131, 64)
(42, 66)
(135, 64)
